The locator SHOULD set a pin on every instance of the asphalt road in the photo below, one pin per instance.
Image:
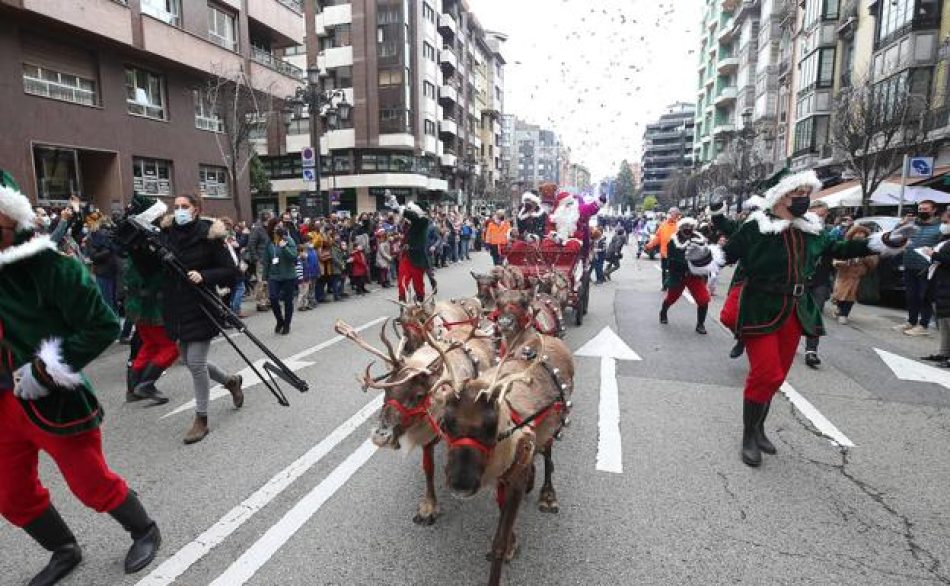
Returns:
(295, 496)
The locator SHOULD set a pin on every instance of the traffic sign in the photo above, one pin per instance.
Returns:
(310, 175)
(308, 157)
(920, 167)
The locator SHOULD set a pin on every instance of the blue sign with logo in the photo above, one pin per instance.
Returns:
(310, 175)
(921, 167)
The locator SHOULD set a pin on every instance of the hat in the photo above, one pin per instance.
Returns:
(418, 207)
(562, 195)
(686, 222)
(789, 184)
(147, 209)
(14, 204)
(528, 197)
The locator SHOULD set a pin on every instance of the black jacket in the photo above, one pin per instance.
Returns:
(529, 223)
(199, 246)
(939, 289)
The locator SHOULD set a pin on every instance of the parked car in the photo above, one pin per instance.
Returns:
(886, 284)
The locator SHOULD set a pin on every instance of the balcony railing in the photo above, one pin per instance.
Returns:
(937, 119)
(296, 5)
(269, 60)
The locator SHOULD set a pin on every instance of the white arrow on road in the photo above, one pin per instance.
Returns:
(609, 348)
(907, 369)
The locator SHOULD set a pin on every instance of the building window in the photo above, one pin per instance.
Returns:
(428, 13)
(370, 162)
(817, 70)
(41, 81)
(213, 182)
(152, 177)
(390, 77)
(145, 93)
(394, 120)
(810, 133)
(389, 14)
(206, 118)
(428, 89)
(221, 28)
(338, 36)
(57, 173)
(430, 128)
(165, 10)
(428, 51)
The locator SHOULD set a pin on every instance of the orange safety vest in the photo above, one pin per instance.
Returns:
(662, 237)
(496, 233)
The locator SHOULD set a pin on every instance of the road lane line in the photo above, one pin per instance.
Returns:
(609, 450)
(294, 362)
(821, 423)
(184, 558)
(270, 543)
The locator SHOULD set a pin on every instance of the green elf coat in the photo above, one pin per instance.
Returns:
(51, 308)
(417, 237)
(778, 256)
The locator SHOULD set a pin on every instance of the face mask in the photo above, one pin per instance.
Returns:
(924, 216)
(687, 233)
(183, 217)
(945, 229)
(46, 221)
(799, 206)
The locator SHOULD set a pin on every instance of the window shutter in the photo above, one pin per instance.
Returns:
(48, 54)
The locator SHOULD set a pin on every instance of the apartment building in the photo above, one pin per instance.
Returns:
(104, 98)
(667, 147)
(426, 83)
(536, 156)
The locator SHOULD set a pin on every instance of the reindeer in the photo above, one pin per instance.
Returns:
(557, 285)
(510, 277)
(406, 415)
(548, 311)
(447, 315)
(486, 286)
(495, 424)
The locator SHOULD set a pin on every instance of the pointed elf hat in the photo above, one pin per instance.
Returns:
(14, 204)
(789, 184)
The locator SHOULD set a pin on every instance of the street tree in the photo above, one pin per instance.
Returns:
(650, 203)
(239, 111)
(626, 185)
(260, 180)
(674, 189)
(873, 127)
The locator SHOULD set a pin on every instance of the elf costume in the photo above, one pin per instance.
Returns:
(778, 255)
(690, 259)
(53, 322)
(414, 261)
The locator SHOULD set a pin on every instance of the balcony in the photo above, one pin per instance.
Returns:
(284, 17)
(665, 134)
(448, 94)
(448, 60)
(447, 25)
(725, 35)
(335, 57)
(277, 64)
(448, 160)
(193, 51)
(727, 66)
(448, 127)
(721, 129)
(726, 95)
(475, 140)
(333, 16)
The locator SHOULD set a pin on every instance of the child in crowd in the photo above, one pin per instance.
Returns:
(599, 244)
(311, 273)
(359, 270)
(384, 258)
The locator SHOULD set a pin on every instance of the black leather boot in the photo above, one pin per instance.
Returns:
(760, 438)
(737, 350)
(750, 453)
(146, 538)
(279, 316)
(132, 378)
(146, 388)
(664, 319)
(701, 312)
(51, 532)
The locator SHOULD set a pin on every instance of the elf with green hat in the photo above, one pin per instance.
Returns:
(53, 322)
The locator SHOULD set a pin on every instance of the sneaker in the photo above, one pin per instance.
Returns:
(917, 330)
(903, 327)
(842, 320)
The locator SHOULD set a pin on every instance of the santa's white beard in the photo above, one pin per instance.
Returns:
(565, 218)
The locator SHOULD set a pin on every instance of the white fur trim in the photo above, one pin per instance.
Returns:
(686, 222)
(772, 225)
(876, 244)
(696, 238)
(17, 207)
(51, 353)
(754, 202)
(412, 207)
(29, 248)
(530, 197)
(156, 211)
(718, 260)
(789, 184)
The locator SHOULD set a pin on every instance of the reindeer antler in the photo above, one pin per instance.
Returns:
(349, 332)
(452, 380)
(393, 355)
(370, 382)
(499, 388)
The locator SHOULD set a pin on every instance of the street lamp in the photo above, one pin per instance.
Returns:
(329, 103)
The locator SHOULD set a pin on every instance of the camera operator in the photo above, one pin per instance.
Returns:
(280, 270)
(199, 245)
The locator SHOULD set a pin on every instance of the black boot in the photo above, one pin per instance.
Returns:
(288, 316)
(146, 388)
(764, 444)
(737, 350)
(279, 316)
(812, 359)
(750, 453)
(51, 532)
(132, 378)
(664, 319)
(701, 319)
(146, 538)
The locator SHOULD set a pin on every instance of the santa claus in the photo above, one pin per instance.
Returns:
(571, 217)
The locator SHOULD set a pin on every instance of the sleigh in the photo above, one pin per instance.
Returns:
(536, 260)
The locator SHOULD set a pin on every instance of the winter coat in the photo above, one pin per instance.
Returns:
(311, 265)
(358, 267)
(615, 248)
(257, 243)
(285, 269)
(940, 281)
(928, 236)
(199, 246)
(383, 255)
(102, 252)
(532, 223)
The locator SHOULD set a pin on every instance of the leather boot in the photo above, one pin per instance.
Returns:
(751, 416)
(198, 431)
(51, 532)
(737, 350)
(146, 388)
(760, 438)
(701, 312)
(146, 538)
(233, 386)
(132, 378)
(279, 316)
(664, 319)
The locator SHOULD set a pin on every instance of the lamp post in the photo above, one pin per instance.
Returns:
(329, 104)
(745, 137)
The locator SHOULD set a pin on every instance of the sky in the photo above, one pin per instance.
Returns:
(596, 71)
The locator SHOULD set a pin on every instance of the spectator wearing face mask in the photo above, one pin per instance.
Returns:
(848, 275)
(939, 274)
(919, 310)
(280, 270)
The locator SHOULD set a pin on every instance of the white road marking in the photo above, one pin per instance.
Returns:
(295, 363)
(184, 558)
(821, 423)
(264, 548)
(609, 348)
(911, 370)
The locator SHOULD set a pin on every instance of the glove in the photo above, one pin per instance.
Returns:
(392, 202)
(602, 198)
(899, 236)
(27, 386)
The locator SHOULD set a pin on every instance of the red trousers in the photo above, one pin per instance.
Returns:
(79, 457)
(156, 348)
(770, 359)
(697, 288)
(729, 316)
(410, 273)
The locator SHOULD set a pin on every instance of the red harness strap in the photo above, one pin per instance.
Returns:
(557, 407)
(410, 416)
(472, 321)
(467, 442)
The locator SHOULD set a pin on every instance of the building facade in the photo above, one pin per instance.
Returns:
(667, 147)
(103, 98)
(426, 83)
(536, 156)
